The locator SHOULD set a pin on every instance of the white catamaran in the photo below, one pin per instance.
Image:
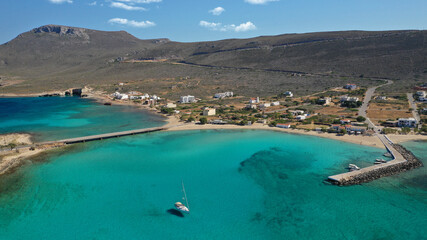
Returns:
(181, 207)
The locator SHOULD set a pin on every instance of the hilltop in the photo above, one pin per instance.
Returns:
(56, 57)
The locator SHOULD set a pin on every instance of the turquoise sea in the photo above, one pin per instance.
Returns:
(55, 118)
(241, 184)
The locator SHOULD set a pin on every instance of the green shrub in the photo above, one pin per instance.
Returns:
(361, 119)
(203, 120)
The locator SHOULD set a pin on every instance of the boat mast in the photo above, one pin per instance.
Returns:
(185, 195)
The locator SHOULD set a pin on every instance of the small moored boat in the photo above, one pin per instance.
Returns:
(379, 161)
(353, 167)
(181, 207)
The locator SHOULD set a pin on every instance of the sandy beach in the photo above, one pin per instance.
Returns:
(175, 125)
(16, 138)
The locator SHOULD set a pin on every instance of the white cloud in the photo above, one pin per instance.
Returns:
(260, 1)
(217, 11)
(92, 4)
(211, 25)
(245, 27)
(231, 27)
(140, 1)
(60, 1)
(125, 6)
(132, 23)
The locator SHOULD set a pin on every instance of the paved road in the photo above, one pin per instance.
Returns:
(368, 96)
(414, 108)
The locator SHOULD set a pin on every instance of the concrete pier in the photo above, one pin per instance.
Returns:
(104, 136)
(403, 160)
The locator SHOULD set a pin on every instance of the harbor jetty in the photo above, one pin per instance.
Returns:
(403, 160)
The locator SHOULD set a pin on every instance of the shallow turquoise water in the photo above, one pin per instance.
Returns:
(240, 185)
(56, 118)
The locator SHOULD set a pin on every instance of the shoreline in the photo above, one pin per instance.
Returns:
(172, 121)
(12, 159)
(175, 125)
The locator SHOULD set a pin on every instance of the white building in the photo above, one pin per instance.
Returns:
(301, 117)
(265, 105)
(155, 97)
(209, 111)
(275, 103)
(223, 95)
(325, 101)
(251, 106)
(135, 97)
(296, 112)
(349, 99)
(407, 122)
(120, 96)
(170, 105)
(288, 94)
(254, 100)
(187, 99)
(381, 98)
(281, 125)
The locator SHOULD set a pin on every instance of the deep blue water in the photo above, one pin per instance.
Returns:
(56, 118)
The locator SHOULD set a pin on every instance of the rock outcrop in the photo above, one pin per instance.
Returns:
(63, 30)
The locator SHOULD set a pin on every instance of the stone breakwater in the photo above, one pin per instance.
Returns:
(410, 163)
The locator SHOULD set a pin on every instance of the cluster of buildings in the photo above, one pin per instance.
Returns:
(133, 95)
(299, 114)
(351, 129)
(254, 101)
(223, 95)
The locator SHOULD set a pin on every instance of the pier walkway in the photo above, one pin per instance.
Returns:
(103, 136)
(397, 159)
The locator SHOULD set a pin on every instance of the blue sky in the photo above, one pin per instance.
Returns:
(200, 20)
